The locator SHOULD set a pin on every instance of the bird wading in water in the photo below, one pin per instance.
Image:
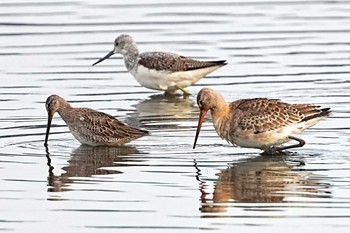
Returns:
(160, 70)
(90, 127)
(258, 123)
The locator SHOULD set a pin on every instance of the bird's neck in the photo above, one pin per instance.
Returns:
(64, 108)
(131, 57)
(221, 120)
(65, 104)
(67, 113)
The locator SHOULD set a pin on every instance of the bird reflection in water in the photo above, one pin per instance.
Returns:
(87, 161)
(263, 179)
(164, 109)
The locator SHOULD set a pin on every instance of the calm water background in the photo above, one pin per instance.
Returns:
(298, 51)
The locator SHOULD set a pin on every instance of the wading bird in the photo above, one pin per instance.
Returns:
(258, 123)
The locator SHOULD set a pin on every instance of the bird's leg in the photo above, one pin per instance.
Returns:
(271, 151)
(183, 90)
(276, 150)
(300, 144)
(171, 91)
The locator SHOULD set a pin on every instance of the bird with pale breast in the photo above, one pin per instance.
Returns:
(90, 127)
(258, 123)
(161, 70)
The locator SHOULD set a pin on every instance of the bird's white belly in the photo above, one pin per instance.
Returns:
(261, 141)
(270, 138)
(163, 80)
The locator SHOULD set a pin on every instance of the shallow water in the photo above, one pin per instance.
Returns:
(298, 51)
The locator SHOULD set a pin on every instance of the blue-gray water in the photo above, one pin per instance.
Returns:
(298, 51)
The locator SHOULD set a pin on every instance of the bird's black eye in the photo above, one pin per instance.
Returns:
(116, 43)
(200, 103)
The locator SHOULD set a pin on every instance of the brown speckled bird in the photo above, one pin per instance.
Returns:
(258, 123)
(89, 126)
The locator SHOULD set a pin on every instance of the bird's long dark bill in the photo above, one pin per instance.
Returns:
(104, 58)
(49, 119)
(200, 122)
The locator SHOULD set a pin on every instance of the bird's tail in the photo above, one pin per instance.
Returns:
(312, 115)
(317, 113)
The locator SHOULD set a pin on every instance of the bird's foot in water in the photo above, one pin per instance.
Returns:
(272, 150)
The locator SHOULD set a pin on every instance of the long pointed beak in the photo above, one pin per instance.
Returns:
(202, 114)
(49, 119)
(104, 58)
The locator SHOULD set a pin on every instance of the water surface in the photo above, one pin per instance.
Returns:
(298, 51)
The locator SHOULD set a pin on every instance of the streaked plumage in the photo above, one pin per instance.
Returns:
(89, 126)
(172, 62)
(258, 123)
(159, 70)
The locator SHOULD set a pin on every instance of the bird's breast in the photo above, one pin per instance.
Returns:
(223, 128)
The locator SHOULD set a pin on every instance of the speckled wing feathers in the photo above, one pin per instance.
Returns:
(262, 115)
(173, 62)
(105, 125)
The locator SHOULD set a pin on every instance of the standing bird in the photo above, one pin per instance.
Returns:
(258, 123)
(89, 126)
(160, 70)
